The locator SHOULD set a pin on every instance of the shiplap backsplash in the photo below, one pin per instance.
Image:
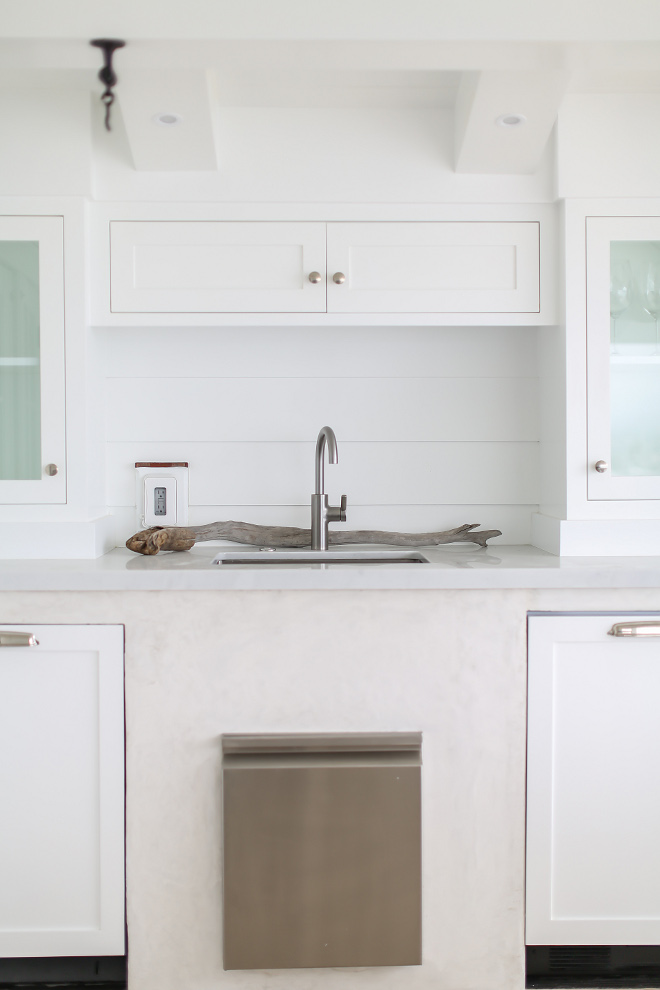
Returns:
(436, 426)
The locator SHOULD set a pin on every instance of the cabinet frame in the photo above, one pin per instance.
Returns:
(48, 231)
(572, 520)
(600, 232)
(102, 214)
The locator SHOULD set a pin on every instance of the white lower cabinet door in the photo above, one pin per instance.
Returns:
(433, 267)
(216, 267)
(593, 781)
(61, 791)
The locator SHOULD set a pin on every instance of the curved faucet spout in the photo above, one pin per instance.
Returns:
(322, 513)
(326, 434)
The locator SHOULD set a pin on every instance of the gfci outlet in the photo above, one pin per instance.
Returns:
(161, 493)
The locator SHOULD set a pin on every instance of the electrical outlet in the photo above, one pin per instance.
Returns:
(159, 500)
(161, 493)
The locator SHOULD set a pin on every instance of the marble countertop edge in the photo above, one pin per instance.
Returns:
(455, 567)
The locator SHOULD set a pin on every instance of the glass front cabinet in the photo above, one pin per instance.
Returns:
(623, 357)
(32, 431)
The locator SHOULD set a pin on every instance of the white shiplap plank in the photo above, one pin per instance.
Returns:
(513, 520)
(294, 409)
(408, 473)
(302, 352)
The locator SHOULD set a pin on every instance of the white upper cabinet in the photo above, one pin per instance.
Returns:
(433, 267)
(221, 271)
(593, 762)
(623, 357)
(32, 424)
(217, 267)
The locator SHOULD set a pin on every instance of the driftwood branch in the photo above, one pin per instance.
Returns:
(151, 541)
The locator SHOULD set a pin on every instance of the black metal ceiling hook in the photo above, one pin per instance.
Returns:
(107, 75)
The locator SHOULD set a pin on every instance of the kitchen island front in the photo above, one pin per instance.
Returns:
(203, 661)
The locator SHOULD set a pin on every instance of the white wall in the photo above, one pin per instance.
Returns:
(318, 155)
(608, 144)
(46, 142)
(436, 426)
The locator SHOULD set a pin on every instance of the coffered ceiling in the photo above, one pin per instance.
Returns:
(482, 59)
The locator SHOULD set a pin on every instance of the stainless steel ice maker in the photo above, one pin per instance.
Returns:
(322, 850)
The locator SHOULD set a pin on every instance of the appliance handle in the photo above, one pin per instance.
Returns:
(10, 638)
(651, 628)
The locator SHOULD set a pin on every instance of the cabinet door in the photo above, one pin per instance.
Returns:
(62, 787)
(593, 802)
(623, 357)
(216, 267)
(433, 267)
(31, 360)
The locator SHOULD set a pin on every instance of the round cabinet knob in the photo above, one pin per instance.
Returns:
(601, 466)
(315, 277)
(51, 470)
(338, 278)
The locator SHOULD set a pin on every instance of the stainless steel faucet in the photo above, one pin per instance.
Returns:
(322, 513)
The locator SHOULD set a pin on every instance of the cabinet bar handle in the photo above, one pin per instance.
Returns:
(17, 638)
(651, 628)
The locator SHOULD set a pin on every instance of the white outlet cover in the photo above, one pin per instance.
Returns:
(175, 482)
(166, 486)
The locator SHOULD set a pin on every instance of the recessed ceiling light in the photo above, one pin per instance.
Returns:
(168, 119)
(511, 119)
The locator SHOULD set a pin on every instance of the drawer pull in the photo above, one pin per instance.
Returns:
(17, 638)
(651, 628)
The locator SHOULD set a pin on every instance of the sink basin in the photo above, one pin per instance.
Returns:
(327, 557)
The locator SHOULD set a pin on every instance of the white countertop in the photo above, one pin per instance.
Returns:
(458, 566)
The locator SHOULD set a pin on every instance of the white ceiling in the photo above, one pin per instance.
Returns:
(341, 20)
(350, 74)
(479, 58)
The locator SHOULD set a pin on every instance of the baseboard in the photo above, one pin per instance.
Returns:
(546, 532)
(36, 540)
(596, 537)
(64, 971)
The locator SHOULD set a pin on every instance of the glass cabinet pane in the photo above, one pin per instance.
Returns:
(635, 357)
(20, 402)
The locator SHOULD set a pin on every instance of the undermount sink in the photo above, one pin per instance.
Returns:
(327, 557)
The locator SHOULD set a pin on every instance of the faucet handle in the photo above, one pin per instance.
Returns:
(334, 513)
